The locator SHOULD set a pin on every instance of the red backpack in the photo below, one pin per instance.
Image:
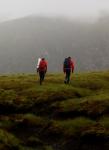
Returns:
(42, 65)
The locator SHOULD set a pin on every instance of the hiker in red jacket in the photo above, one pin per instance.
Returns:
(68, 67)
(42, 69)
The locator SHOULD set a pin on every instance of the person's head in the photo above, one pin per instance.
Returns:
(69, 58)
(43, 58)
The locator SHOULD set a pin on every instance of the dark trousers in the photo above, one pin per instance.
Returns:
(67, 77)
(42, 76)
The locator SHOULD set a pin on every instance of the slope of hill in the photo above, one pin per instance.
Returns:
(22, 41)
(54, 116)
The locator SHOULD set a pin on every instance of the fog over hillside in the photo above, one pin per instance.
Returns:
(22, 41)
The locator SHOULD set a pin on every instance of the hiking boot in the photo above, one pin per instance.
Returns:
(65, 82)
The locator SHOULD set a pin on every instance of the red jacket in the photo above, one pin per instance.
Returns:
(43, 65)
(71, 66)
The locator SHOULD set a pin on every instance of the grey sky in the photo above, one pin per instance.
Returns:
(10, 9)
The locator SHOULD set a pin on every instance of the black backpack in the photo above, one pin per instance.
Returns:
(66, 63)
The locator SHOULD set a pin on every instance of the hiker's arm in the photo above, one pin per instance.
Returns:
(72, 65)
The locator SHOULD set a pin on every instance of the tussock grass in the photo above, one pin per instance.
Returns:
(32, 120)
(50, 116)
(104, 121)
(72, 127)
(8, 140)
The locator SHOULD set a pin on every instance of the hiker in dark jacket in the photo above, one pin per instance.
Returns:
(42, 69)
(68, 67)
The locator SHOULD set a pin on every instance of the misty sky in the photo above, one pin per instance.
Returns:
(10, 9)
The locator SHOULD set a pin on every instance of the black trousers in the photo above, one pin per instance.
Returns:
(42, 76)
(67, 77)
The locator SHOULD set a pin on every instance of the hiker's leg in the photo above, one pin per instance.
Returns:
(65, 77)
(43, 75)
(69, 73)
(40, 74)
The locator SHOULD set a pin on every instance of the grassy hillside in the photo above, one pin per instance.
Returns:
(54, 116)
